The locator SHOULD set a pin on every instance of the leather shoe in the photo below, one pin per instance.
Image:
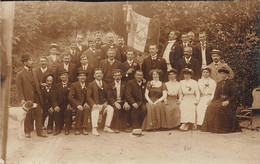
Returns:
(77, 132)
(127, 130)
(43, 128)
(27, 135)
(67, 132)
(85, 132)
(41, 135)
(57, 132)
(116, 131)
(49, 131)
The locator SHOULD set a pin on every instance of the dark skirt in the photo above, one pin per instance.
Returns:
(219, 119)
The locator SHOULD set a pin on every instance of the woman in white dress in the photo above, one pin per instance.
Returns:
(189, 99)
(172, 108)
(207, 88)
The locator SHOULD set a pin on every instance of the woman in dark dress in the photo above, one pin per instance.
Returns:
(220, 116)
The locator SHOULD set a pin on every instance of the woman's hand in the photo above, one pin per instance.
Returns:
(165, 102)
(225, 103)
(150, 102)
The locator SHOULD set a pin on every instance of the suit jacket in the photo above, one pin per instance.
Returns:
(41, 76)
(197, 53)
(135, 93)
(123, 52)
(92, 92)
(226, 90)
(75, 58)
(62, 94)
(53, 65)
(77, 96)
(193, 64)
(112, 92)
(94, 58)
(176, 53)
(125, 67)
(89, 71)
(149, 64)
(214, 71)
(27, 88)
(104, 49)
(49, 98)
(72, 71)
(84, 48)
(99, 45)
(107, 69)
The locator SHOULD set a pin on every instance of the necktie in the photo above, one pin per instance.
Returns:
(100, 84)
(203, 46)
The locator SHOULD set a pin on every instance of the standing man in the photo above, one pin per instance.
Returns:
(135, 97)
(172, 51)
(191, 37)
(53, 59)
(154, 62)
(68, 66)
(97, 96)
(110, 44)
(86, 67)
(188, 62)
(28, 91)
(98, 42)
(185, 40)
(122, 48)
(42, 71)
(80, 46)
(94, 55)
(202, 51)
(107, 65)
(129, 67)
(117, 93)
(78, 100)
(217, 64)
(75, 57)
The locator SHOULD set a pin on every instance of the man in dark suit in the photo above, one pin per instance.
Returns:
(97, 96)
(50, 107)
(78, 100)
(107, 65)
(191, 37)
(188, 62)
(111, 44)
(172, 51)
(135, 97)
(80, 46)
(129, 67)
(98, 41)
(86, 67)
(68, 66)
(154, 62)
(74, 54)
(117, 92)
(54, 59)
(94, 55)
(63, 89)
(28, 91)
(122, 48)
(202, 51)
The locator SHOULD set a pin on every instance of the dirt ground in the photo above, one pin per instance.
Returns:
(154, 147)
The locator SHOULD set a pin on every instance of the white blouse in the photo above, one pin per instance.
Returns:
(190, 87)
(173, 88)
(207, 86)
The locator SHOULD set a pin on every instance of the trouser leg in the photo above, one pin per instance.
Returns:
(85, 115)
(68, 119)
(57, 120)
(78, 119)
(50, 121)
(38, 119)
(110, 113)
(28, 122)
(94, 117)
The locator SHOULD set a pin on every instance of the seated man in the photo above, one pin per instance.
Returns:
(135, 96)
(117, 92)
(50, 107)
(63, 89)
(77, 98)
(97, 97)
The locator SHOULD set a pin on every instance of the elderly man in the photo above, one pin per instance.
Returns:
(97, 96)
(189, 62)
(202, 51)
(28, 91)
(217, 64)
(107, 65)
(110, 44)
(154, 62)
(172, 51)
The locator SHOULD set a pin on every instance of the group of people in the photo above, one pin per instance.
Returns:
(186, 86)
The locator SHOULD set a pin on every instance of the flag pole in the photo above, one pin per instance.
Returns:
(7, 24)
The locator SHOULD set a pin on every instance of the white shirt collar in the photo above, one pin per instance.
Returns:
(43, 69)
(187, 60)
(154, 56)
(26, 68)
(117, 83)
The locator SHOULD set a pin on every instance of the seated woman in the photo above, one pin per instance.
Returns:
(189, 98)
(207, 88)
(155, 93)
(220, 115)
(172, 109)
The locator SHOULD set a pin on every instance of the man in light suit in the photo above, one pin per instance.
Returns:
(154, 62)
(217, 64)
(29, 91)
(172, 51)
(97, 96)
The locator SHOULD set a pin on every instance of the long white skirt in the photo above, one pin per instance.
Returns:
(188, 109)
(201, 109)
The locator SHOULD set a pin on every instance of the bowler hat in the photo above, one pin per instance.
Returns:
(25, 57)
(223, 69)
(215, 51)
(63, 71)
(29, 105)
(81, 71)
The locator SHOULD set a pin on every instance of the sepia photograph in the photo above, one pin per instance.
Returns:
(130, 82)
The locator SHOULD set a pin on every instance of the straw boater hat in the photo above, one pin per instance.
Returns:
(29, 105)
(54, 45)
(215, 51)
(223, 69)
